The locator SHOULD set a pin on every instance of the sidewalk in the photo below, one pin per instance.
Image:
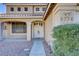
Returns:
(37, 48)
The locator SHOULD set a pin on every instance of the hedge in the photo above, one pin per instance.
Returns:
(67, 40)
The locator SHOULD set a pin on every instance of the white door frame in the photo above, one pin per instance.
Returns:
(33, 30)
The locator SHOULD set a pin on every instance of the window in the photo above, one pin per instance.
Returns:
(25, 9)
(37, 9)
(19, 9)
(11, 9)
(43, 9)
(18, 27)
(40, 23)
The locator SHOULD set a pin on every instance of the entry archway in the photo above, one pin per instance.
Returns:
(14, 30)
(38, 29)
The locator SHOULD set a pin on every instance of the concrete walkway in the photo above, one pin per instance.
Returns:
(37, 48)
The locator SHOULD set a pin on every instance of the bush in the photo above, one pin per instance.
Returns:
(67, 40)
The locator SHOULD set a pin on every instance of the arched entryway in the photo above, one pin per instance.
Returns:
(38, 29)
(14, 30)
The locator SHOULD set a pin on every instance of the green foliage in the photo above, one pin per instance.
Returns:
(67, 40)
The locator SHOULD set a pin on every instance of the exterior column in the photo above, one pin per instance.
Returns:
(28, 31)
(0, 31)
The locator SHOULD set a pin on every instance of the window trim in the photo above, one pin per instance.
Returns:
(24, 31)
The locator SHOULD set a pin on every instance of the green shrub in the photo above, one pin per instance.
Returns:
(67, 40)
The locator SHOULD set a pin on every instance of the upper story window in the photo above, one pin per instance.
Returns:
(37, 9)
(19, 9)
(43, 9)
(25, 9)
(11, 9)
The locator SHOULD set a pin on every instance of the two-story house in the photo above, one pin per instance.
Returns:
(22, 21)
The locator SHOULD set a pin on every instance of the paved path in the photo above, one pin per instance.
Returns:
(37, 48)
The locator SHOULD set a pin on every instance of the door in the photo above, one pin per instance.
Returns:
(38, 31)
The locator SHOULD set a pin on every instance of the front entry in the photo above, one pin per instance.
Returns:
(38, 30)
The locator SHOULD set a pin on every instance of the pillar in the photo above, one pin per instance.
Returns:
(0, 31)
(28, 31)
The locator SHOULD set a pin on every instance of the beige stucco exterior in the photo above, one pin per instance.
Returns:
(61, 14)
(48, 29)
(31, 9)
(8, 32)
(28, 17)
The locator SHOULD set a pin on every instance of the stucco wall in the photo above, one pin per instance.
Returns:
(48, 29)
(60, 15)
(8, 32)
(31, 9)
(40, 7)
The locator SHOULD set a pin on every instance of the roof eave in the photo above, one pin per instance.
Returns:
(48, 11)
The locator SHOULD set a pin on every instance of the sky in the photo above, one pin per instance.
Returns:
(2, 8)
